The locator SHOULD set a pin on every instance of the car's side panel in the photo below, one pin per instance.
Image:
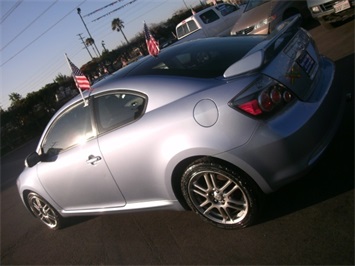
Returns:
(144, 173)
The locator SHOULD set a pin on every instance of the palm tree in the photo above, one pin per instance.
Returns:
(117, 24)
(90, 42)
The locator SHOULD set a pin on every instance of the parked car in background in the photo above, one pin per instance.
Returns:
(211, 124)
(211, 22)
(262, 16)
(329, 11)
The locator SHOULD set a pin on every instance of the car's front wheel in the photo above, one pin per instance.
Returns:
(225, 197)
(44, 211)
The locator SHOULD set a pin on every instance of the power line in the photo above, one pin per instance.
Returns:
(33, 41)
(29, 25)
(11, 10)
(56, 65)
(38, 80)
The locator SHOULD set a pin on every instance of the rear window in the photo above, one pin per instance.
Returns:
(186, 28)
(205, 58)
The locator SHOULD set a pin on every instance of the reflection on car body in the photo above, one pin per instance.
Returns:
(262, 16)
(211, 125)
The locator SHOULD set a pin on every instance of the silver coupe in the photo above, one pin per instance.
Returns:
(210, 125)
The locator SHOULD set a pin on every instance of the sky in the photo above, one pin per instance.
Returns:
(35, 35)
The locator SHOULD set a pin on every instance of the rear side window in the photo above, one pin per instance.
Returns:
(209, 16)
(117, 109)
(72, 127)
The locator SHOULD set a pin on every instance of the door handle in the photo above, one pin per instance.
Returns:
(93, 159)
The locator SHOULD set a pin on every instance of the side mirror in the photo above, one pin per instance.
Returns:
(32, 159)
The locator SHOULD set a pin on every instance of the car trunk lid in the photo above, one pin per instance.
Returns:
(288, 55)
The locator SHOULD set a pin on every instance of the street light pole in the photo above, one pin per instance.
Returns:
(79, 13)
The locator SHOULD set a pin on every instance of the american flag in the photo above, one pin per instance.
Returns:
(152, 44)
(80, 79)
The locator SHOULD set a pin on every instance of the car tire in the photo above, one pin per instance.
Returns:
(220, 195)
(42, 210)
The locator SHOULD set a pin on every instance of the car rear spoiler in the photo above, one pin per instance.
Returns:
(273, 44)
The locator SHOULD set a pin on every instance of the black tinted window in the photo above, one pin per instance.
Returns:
(209, 16)
(71, 128)
(204, 58)
(117, 109)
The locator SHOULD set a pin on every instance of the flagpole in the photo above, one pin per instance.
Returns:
(81, 93)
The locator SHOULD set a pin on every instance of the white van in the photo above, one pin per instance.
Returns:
(211, 22)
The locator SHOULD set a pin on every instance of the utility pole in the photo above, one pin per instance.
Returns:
(84, 44)
(79, 13)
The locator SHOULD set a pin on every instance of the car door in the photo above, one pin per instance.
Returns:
(73, 170)
(117, 116)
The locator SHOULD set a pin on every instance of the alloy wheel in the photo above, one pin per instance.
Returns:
(41, 209)
(218, 197)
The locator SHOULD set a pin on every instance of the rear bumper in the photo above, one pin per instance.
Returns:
(291, 142)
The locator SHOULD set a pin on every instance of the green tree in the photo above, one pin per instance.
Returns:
(63, 80)
(15, 98)
(117, 24)
(91, 42)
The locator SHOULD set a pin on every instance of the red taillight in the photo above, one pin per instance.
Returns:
(287, 96)
(251, 107)
(265, 101)
(267, 96)
(276, 95)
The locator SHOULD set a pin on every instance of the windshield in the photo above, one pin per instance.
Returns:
(254, 3)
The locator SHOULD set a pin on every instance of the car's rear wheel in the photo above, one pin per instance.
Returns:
(44, 211)
(225, 197)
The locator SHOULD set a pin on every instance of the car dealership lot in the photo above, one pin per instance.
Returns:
(309, 222)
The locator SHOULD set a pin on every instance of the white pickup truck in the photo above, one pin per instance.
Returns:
(211, 22)
(329, 11)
